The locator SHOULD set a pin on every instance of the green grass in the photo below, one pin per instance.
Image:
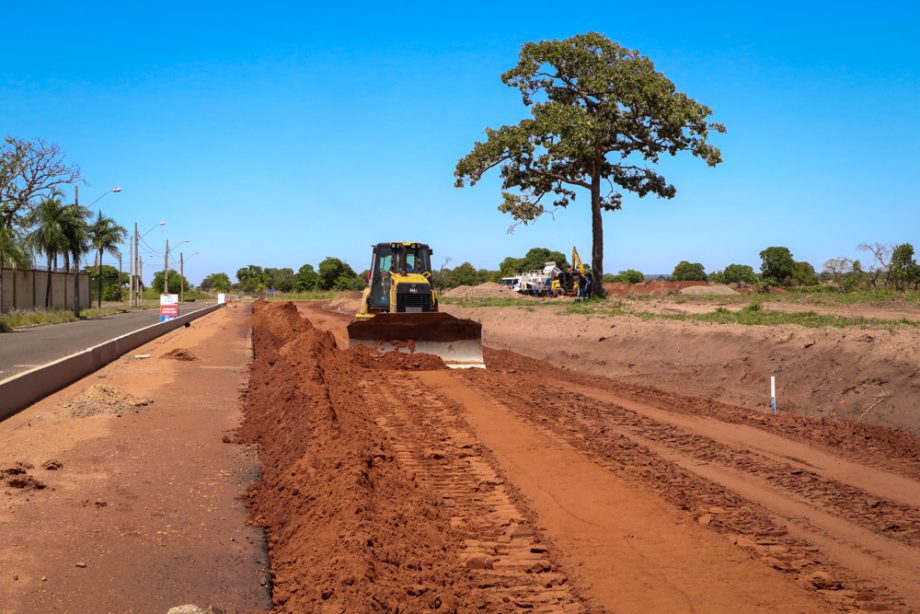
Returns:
(752, 315)
(21, 319)
(315, 295)
(819, 295)
(494, 302)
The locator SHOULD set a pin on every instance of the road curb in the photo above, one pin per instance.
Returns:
(23, 389)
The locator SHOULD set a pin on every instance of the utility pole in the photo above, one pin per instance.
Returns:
(76, 264)
(133, 265)
(181, 277)
(119, 276)
(166, 269)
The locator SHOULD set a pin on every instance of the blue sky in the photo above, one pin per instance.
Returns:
(279, 133)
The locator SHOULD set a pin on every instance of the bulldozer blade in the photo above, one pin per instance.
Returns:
(457, 342)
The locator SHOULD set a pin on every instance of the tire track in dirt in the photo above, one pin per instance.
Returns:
(614, 442)
(888, 518)
(869, 445)
(775, 447)
(635, 551)
(503, 552)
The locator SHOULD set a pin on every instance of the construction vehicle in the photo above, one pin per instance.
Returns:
(565, 282)
(399, 310)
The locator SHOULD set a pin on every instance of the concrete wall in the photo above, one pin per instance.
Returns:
(27, 289)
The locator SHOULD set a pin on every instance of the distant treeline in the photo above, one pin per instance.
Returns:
(891, 266)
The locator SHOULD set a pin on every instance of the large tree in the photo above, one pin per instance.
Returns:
(601, 116)
(30, 171)
(216, 281)
(175, 284)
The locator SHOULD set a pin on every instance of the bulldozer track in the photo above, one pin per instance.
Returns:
(678, 465)
(503, 551)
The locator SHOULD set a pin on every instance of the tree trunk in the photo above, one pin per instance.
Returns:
(48, 302)
(597, 237)
(76, 286)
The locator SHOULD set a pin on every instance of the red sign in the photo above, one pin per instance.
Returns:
(168, 312)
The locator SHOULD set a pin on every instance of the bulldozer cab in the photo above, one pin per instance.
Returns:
(395, 259)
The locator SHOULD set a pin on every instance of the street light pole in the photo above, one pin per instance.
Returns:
(181, 277)
(166, 269)
(134, 269)
(76, 264)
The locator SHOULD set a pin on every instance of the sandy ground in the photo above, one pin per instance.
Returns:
(144, 512)
(870, 375)
(555, 490)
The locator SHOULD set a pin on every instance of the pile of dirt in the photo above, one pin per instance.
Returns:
(17, 476)
(349, 530)
(369, 358)
(344, 304)
(102, 399)
(654, 288)
(485, 290)
(710, 290)
(180, 354)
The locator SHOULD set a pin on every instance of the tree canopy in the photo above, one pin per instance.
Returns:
(306, 279)
(629, 276)
(777, 264)
(533, 260)
(601, 116)
(689, 271)
(174, 282)
(739, 274)
(216, 281)
(335, 274)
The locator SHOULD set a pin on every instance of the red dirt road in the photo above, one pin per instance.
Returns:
(530, 486)
(144, 512)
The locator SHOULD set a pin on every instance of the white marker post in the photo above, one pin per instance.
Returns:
(773, 394)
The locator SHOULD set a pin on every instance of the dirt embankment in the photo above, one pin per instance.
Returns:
(349, 529)
(656, 288)
(870, 375)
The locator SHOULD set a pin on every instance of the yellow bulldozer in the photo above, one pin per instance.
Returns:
(399, 310)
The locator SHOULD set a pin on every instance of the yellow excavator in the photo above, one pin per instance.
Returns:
(566, 283)
(399, 310)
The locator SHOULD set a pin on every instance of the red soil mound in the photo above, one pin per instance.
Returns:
(348, 529)
(656, 288)
(394, 361)
(179, 354)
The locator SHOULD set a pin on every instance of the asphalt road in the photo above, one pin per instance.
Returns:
(21, 350)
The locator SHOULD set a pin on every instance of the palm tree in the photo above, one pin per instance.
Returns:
(77, 240)
(105, 235)
(48, 220)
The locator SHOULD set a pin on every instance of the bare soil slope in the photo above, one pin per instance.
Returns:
(871, 375)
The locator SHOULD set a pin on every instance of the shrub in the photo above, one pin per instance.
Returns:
(803, 274)
(629, 276)
(689, 271)
(777, 264)
(739, 274)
